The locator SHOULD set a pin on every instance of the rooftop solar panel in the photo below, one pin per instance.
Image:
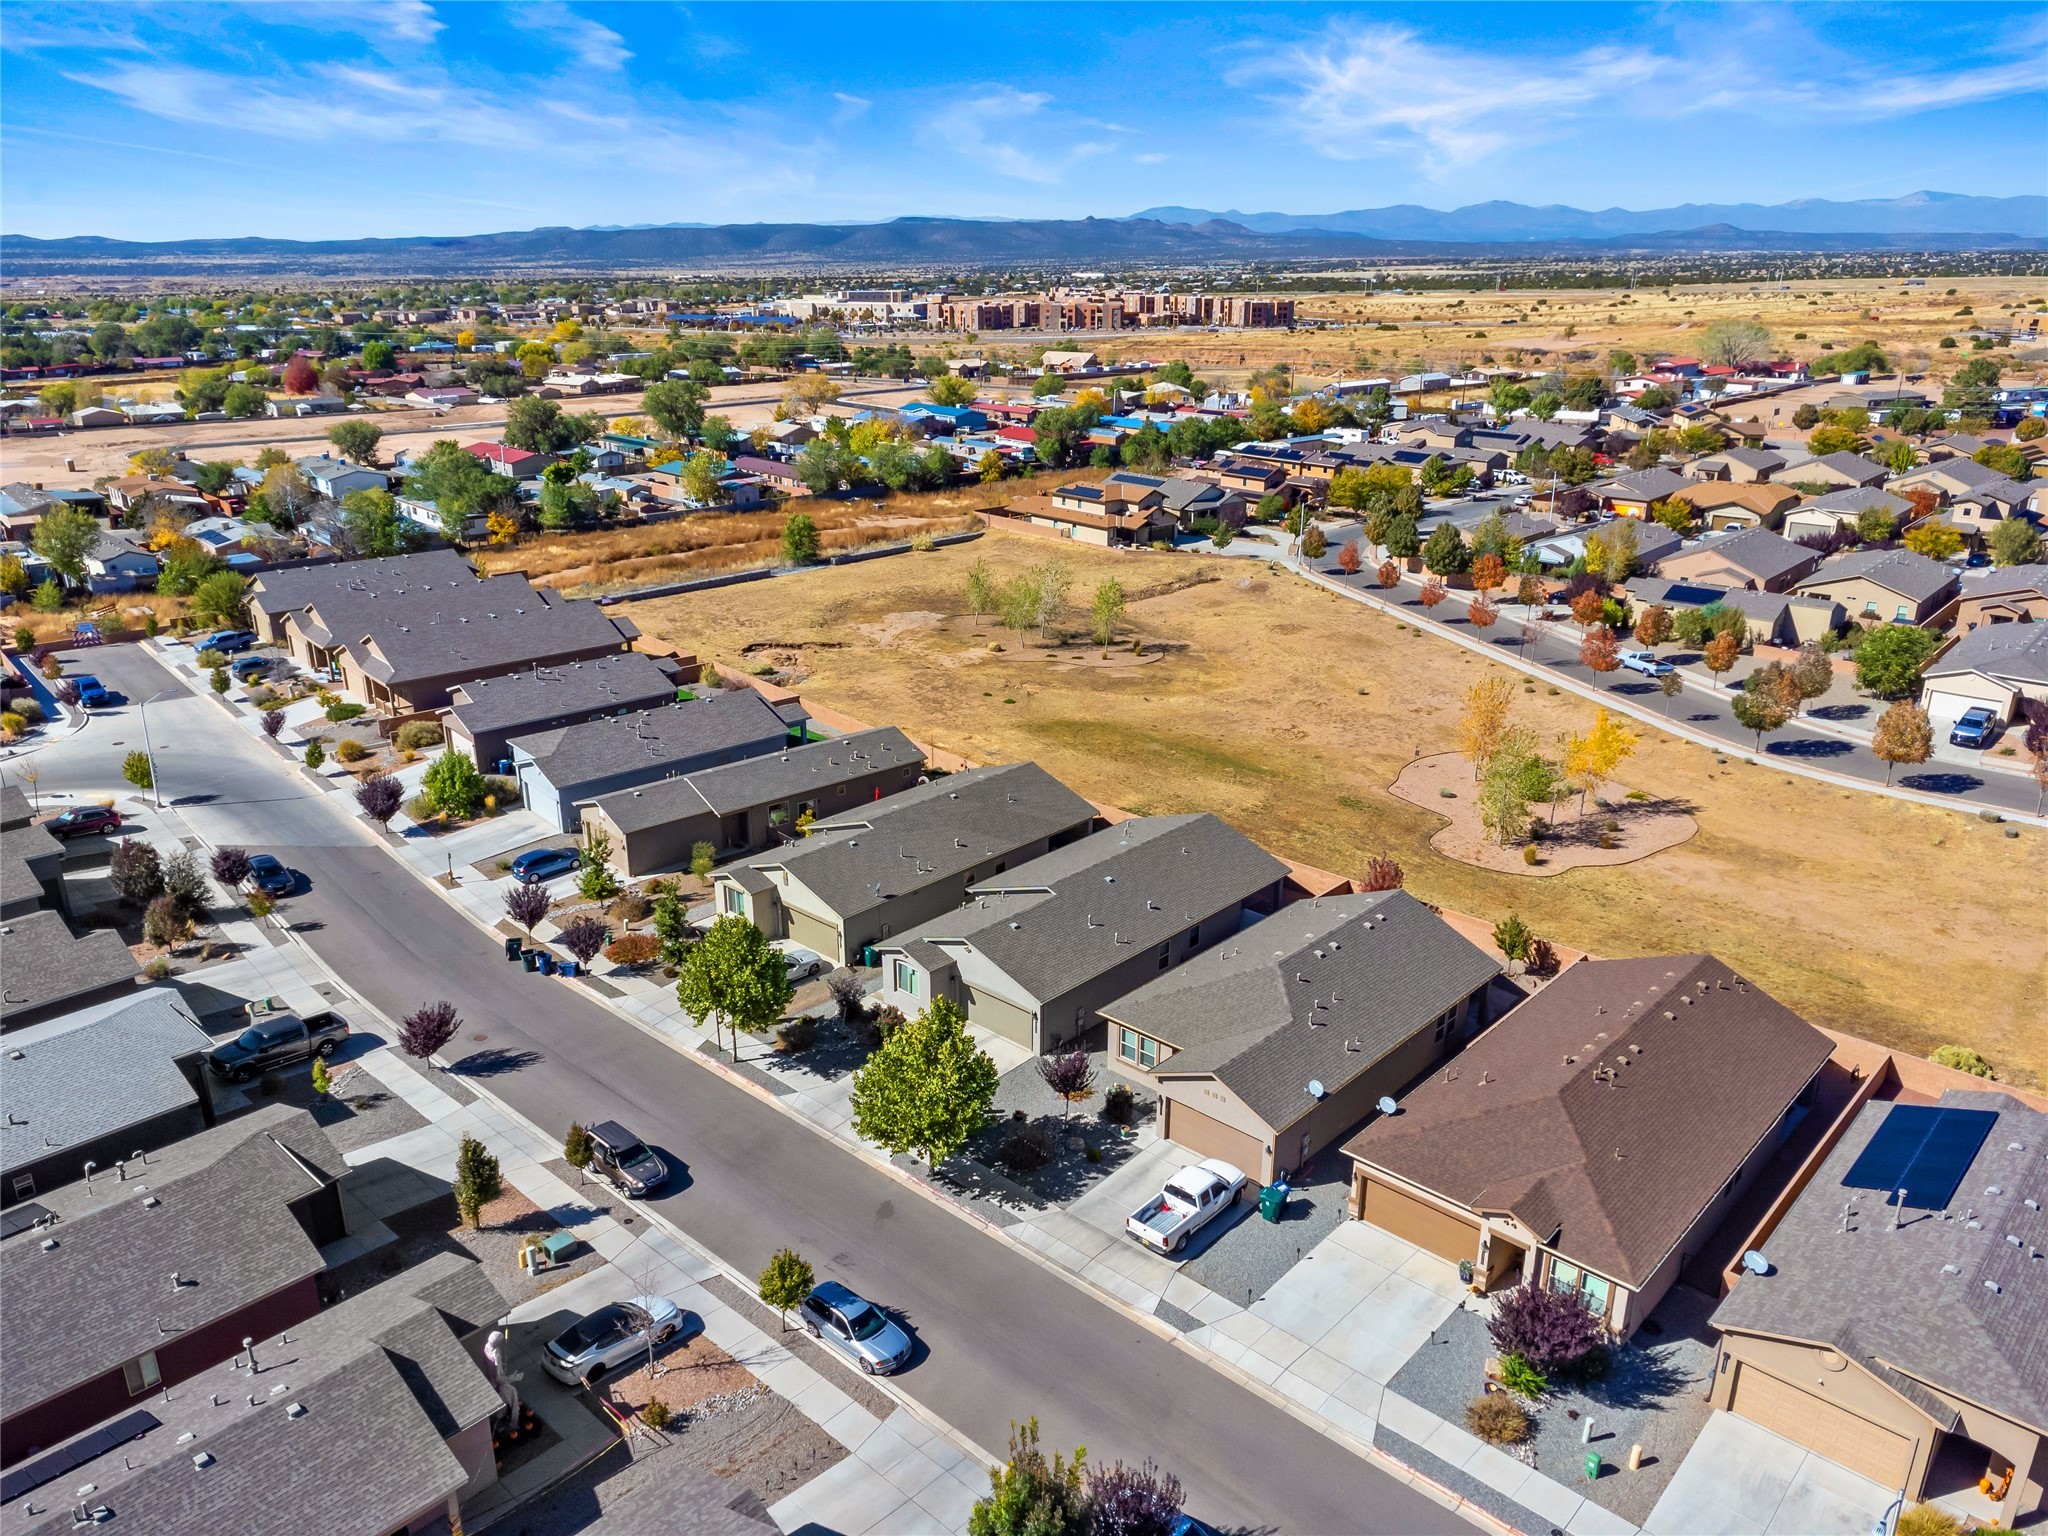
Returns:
(1925, 1150)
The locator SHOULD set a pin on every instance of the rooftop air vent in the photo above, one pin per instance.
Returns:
(202, 1459)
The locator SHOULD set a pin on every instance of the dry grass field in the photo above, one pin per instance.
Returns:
(1289, 711)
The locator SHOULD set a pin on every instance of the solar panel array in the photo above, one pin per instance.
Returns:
(1924, 1149)
(46, 1469)
(19, 1218)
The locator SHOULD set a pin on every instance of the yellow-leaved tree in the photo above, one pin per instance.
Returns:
(1485, 720)
(1593, 758)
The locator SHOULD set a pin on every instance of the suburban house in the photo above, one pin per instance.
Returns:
(485, 713)
(31, 861)
(1846, 471)
(1654, 543)
(2015, 594)
(512, 463)
(1993, 665)
(559, 769)
(1754, 557)
(749, 805)
(1742, 466)
(864, 875)
(403, 631)
(394, 1369)
(335, 478)
(133, 490)
(1890, 586)
(1040, 951)
(1774, 618)
(1594, 1138)
(1898, 1327)
(1268, 1047)
(98, 1085)
(1738, 504)
(1123, 510)
(119, 563)
(772, 473)
(1632, 495)
(227, 1244)
(51, 970)
(1956, 480)
(1837, 509)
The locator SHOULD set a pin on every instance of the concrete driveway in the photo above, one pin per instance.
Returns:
(1364, 1298)
(1741, 1480)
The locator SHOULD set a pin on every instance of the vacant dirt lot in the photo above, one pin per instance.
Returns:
(1289, 711)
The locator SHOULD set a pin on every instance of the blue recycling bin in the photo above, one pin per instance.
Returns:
(567, 967)
(547, 962)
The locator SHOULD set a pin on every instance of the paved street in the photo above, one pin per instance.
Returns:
(1005, 1337)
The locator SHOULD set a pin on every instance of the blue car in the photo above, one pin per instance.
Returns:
(228, 641)
(542, 865)
(252, 667)
(269, 875)
(1978, 728)
(92, 692)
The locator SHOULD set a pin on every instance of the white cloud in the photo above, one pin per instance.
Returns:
(1004, 130)
(592, 44)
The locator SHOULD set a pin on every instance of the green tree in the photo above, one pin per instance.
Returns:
(2015, 542)
(1056, 437)
(594, 878)
(981, 587)
(1971, 389)
(672, 927)
(1759, 713)
(453, 785)
(2007, 458)
(357, 440)
(371, 523)
(378, 355)
(1107, 610)
(703, 857)
(64, 536)
(576, 1147)
(786, 1281)
(13, 576)
(800, 540)
(135, 768)
(1445, 554)
(825, 466)
(1404, 540)
(478, 1180)
(927, 1088)
(702, 477)
(948, 389)
(458, 483)
(734, 977)
(1516, 777)
(1733, 343)
(1030, 1496)
(221, 598)
(1511, 936)
(676, 406)
(49, 597)
(1874, 525)
(719, 433)
(315, 755)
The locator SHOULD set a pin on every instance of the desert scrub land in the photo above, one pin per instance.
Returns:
(1289, 711)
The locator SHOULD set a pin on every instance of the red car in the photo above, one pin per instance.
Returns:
(84, 820)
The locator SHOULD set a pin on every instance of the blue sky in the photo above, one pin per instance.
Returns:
(414, 117)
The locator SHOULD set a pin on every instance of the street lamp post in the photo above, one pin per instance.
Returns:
(156, 793)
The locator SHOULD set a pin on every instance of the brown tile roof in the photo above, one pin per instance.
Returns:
(1607, 1111)
(1044, 507)
(1761, 499)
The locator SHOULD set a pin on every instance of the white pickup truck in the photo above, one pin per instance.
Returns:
(1191, 1199)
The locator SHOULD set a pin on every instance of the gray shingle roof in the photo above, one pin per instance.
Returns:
(1896, 570)
(464, 629)
(289, 590)
(1756, 551)
(1653, 483)
(1855, 499)
(543, 695)
(927, 834)
(1854, 465)
(790, 774)
(27, 854)
(1322, 989)
(14, 805)
(47, 963)
(729, 722)
(2010, 578)
(88, 1074)
(221, 1222)
(1609, 1109)
(2015, 652)
(1882, 1297)
(1069, 916)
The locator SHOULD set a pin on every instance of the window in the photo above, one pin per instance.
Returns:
(24, 1185)
(735, 900)
(1904, 615)
(1166, 954)
(1594, 1290)
(142, 1375)
(1443, 1023)
(905, 978)
(1135, 1047)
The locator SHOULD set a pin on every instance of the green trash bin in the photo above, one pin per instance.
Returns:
(1273, 1199)
(512, 948)
(867, 956)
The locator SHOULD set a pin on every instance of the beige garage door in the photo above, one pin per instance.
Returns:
(1417, 1221)
(999, 1016)
(1817, 1424)
(1212, 1138)
(813, 933)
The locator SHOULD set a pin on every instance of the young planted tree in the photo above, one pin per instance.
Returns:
(981, 587)
(427, 1028)
(672, 927)
(1589, 607)
(1599, 651)
(1348, 560)
(1904, 734)
(1512, 938)
(1031, 1496)
(136, 769)
(1889, 659)
(1759, 713)
(1433, 592)
(1071, 1076)
(1383, 874)
(1489, 571)
(1720, 652)
(185, 884)
(576, 1147)
(703, 858)
(1485, 720)
(1388, 575)
(380, 795)
(1314, 544)
(1134, 1501)
(1107, 611)
(594, 878)
(453, 786)
(230, 867)
(1671, 685)
(164, 924)
(527, 904)
(927, 1088)
(1653, 625)
(478, 1180)
(732, 976)
(583, 937)
(315, 755)
(800, 544)
(272, 722)
(136, 871)
(785, 1282)
(1517, 776)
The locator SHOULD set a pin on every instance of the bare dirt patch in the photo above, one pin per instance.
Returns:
(1585, 836)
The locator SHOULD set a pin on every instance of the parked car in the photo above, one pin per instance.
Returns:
(84, 820)
(620, 1335)
(227, 641)
(622, 1159)
(542, 865)
(802, 963)
(1978, 727)
(92, 693)
(270, 877)
(252, 667)
(278, 1041)
(856, 1328)
(1192, 1199)
(1646, 662)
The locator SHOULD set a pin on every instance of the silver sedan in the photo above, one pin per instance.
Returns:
(623, 1334)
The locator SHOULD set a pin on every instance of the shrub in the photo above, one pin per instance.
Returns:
(349, 750)
(230, 866)
(164, 925)
(633, 949)
(157, 969)
(1542, 959)
(32, 712)
(1530, 855)
(417, 734)
(136, 871)
(477, 1180)
(702, 858)
(1926, 1520)
(1134, 1501)
(1550, 1330)
(655, 1415)
(12, 724)
(1498, 1419)
(185, 885)
(576, 1148)
(1963, 1059)
(453, 785)
(527, 904)
(315, 755)
(340, 712)
(273, 722)
(1522, 1378)
(799, 1034)
(631, 907)
(1025, 1148)
(1119, 1104)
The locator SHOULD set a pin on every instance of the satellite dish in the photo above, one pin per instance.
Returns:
(1755, 1263)
(1388, 1106)
(1315, 1088)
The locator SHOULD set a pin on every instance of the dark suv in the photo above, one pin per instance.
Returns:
(277, 1041)
(624, 1160)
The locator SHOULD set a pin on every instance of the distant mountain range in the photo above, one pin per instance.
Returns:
(1163, 235)
(1917, 213)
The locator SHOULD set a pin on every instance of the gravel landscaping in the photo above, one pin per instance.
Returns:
(1023, 1100)
(1653, 1397)
(360, 1112)
(1250, 1256)
(820, 1359)
(433, 1227)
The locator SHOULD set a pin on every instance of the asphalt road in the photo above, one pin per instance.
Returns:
(1000, 1337)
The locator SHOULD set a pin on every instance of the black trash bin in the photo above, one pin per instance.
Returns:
(529, 959)
(513, 948)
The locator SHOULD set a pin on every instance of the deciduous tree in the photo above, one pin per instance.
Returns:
(733, 977)
(380, 796)
(356, 440)
(1388, 575)
(1071, 1077)
(1482, 612)
(427, 1028)
(1600, 651)
(1904, 734)
(1720, 652)
(1433, 592)
(927, 1088)
(1485, 719)
(788, 1278)
(1107, 610)
(64, 536)
(1653, 625)
(526, 904)
(1889, 659)
(800, 545)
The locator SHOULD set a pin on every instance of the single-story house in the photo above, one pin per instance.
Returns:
(1844, 470)
(743, 807)
(1732, 504)
(1754, 557)
(866, 874)
(1632, 495)
(31, 862)
(1269, 1046)
(513, 463)
(304, 405)
(1837, 509)
(1774, 618)
(1952, 479)
(101, 416)
(561, 768)
(1993, 665)
(1655, 543)
(97, 1086)
(1891, 586)
(335, 478)
(1897, 1328)
(1594, 1139)
(51, 970)
(1741, 466)
(485, 713)
(773, 473)
(119, 563)
(126, 492)
(1066, 362)
(2015, 594)
(1041, 950)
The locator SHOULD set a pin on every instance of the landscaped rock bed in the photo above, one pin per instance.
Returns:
(360, 1112)
(1025, 1112)
(803, 1346)
(433, 1227)
(1631, 828)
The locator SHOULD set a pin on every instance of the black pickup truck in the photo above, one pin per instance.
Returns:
(277, 1041)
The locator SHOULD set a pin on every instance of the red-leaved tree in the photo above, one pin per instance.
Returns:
(1482, 612)
(1347, 559)
(1550, 1329)
(1588, 607)
(583, 937)
(1389, 574)
(300, 377)
(527, 904)
(1434, 591)
(427, 1028)
(1599, 650)
(380, 796)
